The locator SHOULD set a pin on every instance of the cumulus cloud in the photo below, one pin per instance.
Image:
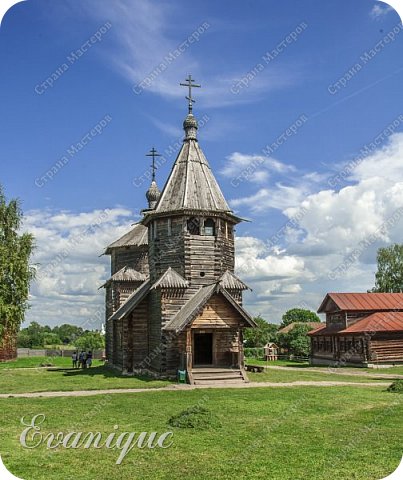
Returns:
(68, 263)
(329, 238)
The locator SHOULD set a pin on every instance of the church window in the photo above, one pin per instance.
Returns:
(209, 227)
(193, 226)
(169, 226)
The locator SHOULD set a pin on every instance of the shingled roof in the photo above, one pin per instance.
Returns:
(231, 282)
(137, 236)
(171, 279)
(127, 274)
(196, 304)
(191, 184)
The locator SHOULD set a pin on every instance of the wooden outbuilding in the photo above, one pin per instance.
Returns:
(173, 302)
(271, 352)
(361, 329)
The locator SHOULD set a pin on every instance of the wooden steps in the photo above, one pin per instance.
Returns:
(212, 375)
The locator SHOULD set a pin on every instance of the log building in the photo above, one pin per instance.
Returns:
(361, 329)
(173, 301)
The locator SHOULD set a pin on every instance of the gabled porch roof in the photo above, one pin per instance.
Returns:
(195, 305)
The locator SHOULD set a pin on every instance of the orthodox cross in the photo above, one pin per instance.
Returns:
(153, 153)
(190, 84)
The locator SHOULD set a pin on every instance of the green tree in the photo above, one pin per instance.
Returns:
(16, 273)
(389, 277)
(299, 315)
(264, 333)
(296, 341)
(32, 336)
(51, 339)
(24, 339)
(90, 341)
(68, 334)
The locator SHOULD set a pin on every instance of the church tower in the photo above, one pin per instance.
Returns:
(192, 313)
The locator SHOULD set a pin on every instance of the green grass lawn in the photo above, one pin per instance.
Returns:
(278, 434)
(278, 376)
(278, 363)
(397, 370)
(95, 378)
(99, 378)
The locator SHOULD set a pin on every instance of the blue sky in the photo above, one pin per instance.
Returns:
(318, 74)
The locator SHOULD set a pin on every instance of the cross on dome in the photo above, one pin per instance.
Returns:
(190, 84)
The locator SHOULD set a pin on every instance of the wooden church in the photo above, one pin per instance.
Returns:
(173, 302)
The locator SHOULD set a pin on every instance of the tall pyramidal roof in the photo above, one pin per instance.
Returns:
(191, 184)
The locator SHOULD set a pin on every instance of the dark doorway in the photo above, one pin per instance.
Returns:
(203, 348)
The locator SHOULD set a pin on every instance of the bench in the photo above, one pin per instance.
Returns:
(254, 368)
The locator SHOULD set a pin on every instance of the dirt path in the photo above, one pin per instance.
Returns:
(88, 393)
(335, 371)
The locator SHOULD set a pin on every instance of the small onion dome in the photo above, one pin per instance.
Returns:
(153, 194)
(190, 126)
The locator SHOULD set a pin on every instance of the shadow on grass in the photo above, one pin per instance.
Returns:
(102, 370)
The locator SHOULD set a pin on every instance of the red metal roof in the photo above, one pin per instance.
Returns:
(378, 322)
(290, 326)
(364, 301)
(323, 330)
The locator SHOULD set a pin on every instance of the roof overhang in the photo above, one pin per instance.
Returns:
(196, 304)
(152, 214)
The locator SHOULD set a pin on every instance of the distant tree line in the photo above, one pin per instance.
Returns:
(38, 336)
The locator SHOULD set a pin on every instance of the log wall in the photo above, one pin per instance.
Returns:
(134, 257)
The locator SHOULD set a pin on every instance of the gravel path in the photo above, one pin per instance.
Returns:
(88, 393)
(335, 371)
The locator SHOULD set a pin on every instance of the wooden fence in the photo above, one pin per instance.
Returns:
(29, 352)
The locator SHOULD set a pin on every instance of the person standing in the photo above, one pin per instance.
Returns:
(74, 358)
(89, 359)
(84, 360)
(80, 359)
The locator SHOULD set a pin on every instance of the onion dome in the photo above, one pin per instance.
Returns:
(153, 194)
(190, 126)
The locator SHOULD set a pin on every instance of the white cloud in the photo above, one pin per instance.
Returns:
(332, 231)
(279, 197)
(254, 168)
(144, 38)
(69, 266)
(380, 10)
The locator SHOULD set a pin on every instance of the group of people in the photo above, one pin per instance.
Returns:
(82, 359)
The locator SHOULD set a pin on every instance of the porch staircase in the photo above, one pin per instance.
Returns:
(213, 375)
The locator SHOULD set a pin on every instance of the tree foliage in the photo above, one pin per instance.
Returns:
(299, 315)
(264, 333)
(15, 271)
(38, 336)
(68, 333)
(389, 277)
(296, 341)
(90, 341)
